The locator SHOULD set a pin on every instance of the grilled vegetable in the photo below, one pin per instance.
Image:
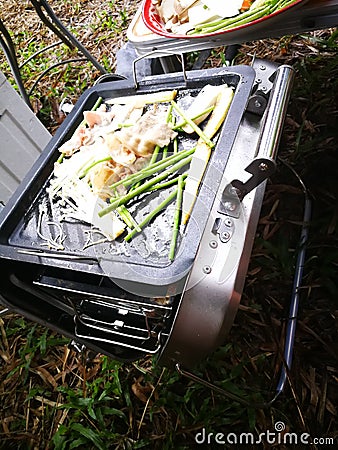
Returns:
(193, 125)
(143, 99)
(202, 103)
(258, 10)
(209, 16)
(116, 202)
(153, 214)
(203, 150)
(121, 163)
(177, 217)
(246, 5)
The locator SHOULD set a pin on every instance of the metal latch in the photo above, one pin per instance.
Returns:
(261, 169)
(264, 164)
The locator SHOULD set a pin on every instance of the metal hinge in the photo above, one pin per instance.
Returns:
(265, 75)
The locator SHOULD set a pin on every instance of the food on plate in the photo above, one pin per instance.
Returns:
(189, 17)
(128, 148)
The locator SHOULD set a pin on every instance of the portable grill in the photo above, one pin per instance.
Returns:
(133, 302)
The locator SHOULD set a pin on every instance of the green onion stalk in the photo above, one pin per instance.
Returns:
(150, 170)
(254, 13)
(177, 217)
(195, 127)
(127, 218)
(116, 202)
(87, 169)
(149, 217)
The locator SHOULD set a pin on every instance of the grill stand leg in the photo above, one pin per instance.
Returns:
(8, 47)
(54, 24)
(4, 311)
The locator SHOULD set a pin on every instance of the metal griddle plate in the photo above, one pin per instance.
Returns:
(144, 260)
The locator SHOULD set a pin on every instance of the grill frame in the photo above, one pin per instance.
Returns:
(29, 293)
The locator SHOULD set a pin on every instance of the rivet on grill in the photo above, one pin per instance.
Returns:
(228, 222)
(213, 244)
(225, 236)
(262, 67)
(230, 206)
(207, 269)
(234, 191)
(263, 167)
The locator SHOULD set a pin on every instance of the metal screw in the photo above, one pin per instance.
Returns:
(213, 244)
(263, 167)
(234, 191)
(228, 222)
(230, 206)
(225, 236)
(262, 67)
(207, 269)
(258, 80)
(263, 88)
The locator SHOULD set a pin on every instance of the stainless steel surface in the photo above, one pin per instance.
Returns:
(180, 327)
(211, 297)
(276, 110)
(263, 165)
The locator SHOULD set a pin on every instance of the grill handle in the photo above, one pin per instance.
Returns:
(159, 54)
(275, 113)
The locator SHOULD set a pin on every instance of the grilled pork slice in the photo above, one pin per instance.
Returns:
(101, 118)
(97, 124)
(150, 130)
(105, 174)
(82, 136)
(119, 153)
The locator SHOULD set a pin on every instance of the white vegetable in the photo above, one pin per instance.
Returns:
(202, 153)
(209, 10)
(86, 208)
(78, 200)
(207, 97)
(257, 4)
(143, 99)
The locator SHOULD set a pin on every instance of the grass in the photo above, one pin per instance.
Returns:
(103, 26)
(53, 397)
